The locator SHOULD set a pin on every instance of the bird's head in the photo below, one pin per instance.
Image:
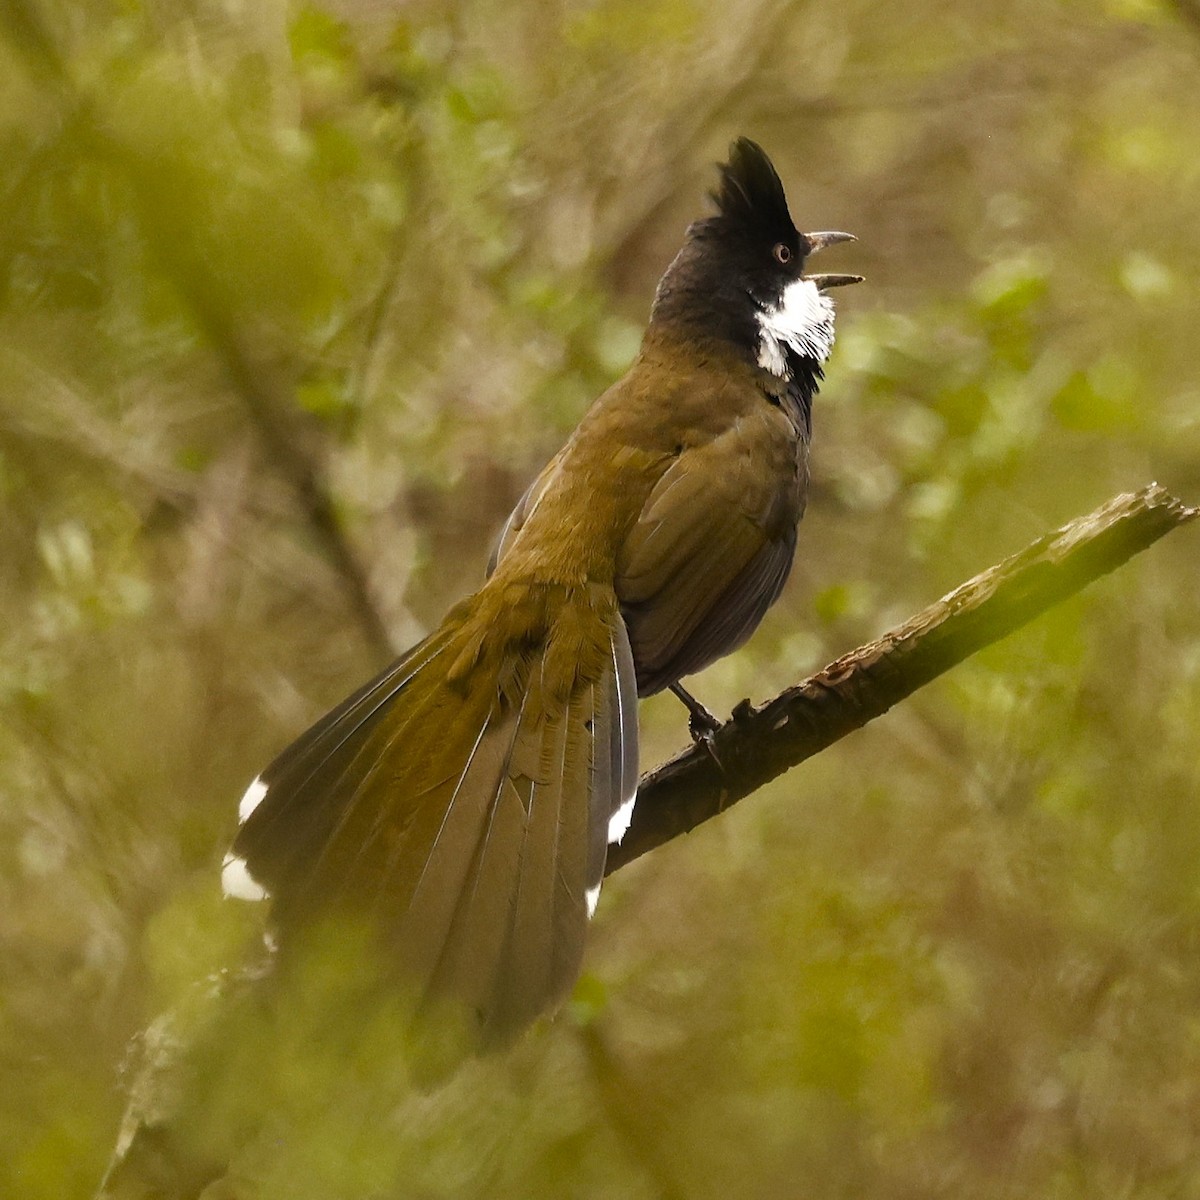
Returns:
(741, 272)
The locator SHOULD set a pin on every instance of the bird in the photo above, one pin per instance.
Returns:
(459, 806)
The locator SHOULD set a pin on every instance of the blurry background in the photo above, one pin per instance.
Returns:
(296, 299)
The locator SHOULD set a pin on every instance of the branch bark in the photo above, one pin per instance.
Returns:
(758, 744)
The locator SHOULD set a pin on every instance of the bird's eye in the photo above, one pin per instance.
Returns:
(783, 253)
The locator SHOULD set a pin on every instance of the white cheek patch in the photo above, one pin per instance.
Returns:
(251, 799)
(237, 883)
(592, 896)
(802, 322)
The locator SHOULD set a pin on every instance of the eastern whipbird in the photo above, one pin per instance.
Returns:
(460, 805)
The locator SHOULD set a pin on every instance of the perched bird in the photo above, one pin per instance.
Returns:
(460, 805)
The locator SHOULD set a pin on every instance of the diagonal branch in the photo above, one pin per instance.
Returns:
(758, 744)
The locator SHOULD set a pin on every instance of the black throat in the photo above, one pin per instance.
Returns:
(803, 381)
(702, 300)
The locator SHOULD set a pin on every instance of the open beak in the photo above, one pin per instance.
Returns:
(830, 237)
(825, 282)
(818, 241)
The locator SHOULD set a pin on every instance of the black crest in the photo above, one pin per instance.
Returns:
(751, 194)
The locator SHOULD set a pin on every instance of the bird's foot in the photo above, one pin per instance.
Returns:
(702, 724)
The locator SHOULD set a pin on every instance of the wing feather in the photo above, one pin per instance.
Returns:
(711, 547)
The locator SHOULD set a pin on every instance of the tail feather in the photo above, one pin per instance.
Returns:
(443, 865)
(293, 831)
(466, 814)
(529, 949)
(379, 841)
(623, 744)
(477, 959)
(296, 767)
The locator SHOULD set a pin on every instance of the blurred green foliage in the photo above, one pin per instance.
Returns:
(294, 301)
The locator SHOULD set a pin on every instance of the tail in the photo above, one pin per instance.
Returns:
(462, 802)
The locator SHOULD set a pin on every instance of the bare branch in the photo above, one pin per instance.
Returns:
(758, 744)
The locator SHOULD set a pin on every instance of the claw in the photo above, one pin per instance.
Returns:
(701, 723)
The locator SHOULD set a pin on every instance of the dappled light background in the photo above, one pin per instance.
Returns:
(294, 302)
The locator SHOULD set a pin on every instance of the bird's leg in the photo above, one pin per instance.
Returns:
(701, 723)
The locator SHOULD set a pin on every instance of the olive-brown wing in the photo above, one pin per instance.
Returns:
(712, 547)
